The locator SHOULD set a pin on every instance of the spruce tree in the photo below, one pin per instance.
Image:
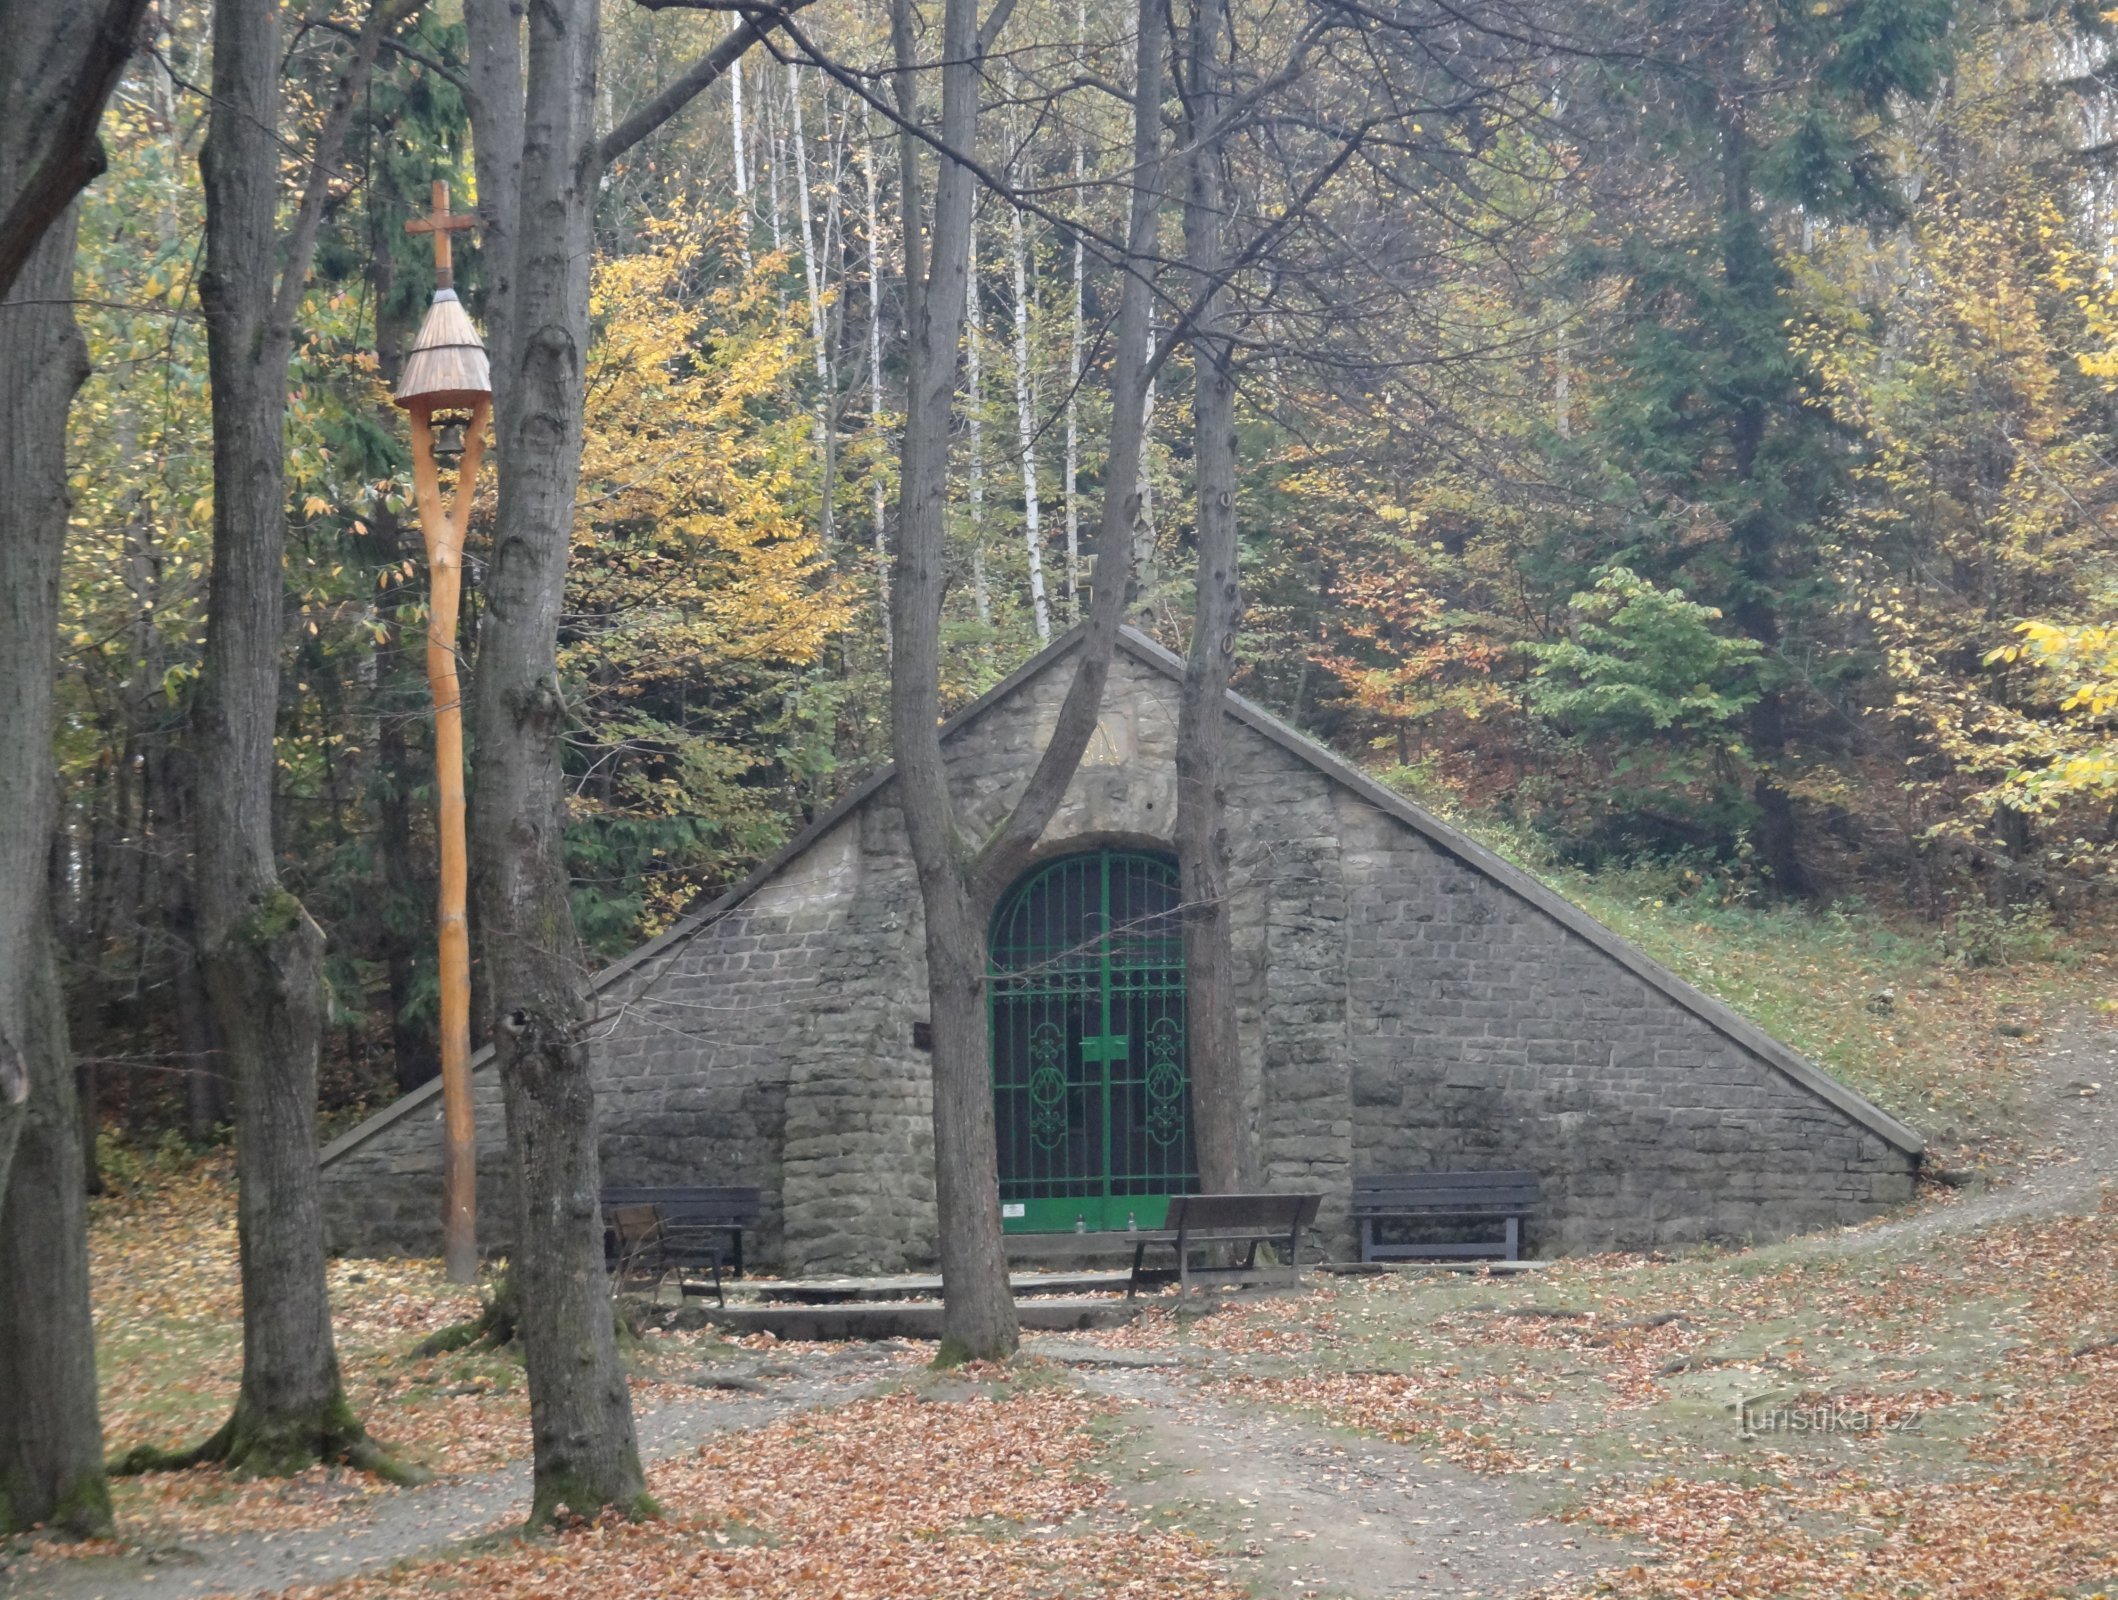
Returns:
(1730, 128)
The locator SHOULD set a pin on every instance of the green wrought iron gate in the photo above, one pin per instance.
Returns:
(1091, 1096)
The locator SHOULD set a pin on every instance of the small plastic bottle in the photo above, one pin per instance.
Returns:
(1080, 1222)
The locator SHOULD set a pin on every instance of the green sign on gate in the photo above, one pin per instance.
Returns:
(1091, 1096)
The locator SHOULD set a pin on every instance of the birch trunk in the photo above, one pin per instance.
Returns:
(772, 170)
(738, 153)
(974, 413)
(1076, 339)
(879, 501)
(739, 150)
(812, 275)
(1026, 420)
(806, 215)
(1202, 832)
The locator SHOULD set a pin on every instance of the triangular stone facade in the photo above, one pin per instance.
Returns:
(1410, 1002)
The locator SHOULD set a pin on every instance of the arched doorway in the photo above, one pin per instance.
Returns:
(1091, 1097)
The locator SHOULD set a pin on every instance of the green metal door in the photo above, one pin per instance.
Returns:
(1091, 1098)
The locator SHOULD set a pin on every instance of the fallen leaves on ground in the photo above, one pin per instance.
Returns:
(1438, 1408)
(168, 1302)
(892, 1498)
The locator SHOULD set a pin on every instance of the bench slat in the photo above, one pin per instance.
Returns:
(1242, 1219)
(697, 1225)
(1272, 1213)
(1502, 1196)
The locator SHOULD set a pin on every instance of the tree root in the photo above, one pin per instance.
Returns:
(1706, 1363)
(1555, 1312)
(560, 1497)
(494, 1328)
(1661, 1319)
(249, 1446)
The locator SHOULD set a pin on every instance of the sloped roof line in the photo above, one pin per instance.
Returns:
(1717, 1015)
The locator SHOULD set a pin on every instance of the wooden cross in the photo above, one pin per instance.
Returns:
(441, 224)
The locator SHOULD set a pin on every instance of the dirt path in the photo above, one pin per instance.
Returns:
(379, 1530)
(1311, 1512)
(2070, 1103)
(1308, 1512)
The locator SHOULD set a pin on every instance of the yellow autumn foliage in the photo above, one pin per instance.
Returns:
(699, 587)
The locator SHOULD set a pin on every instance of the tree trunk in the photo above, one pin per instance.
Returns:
(813, 281)
(51, 1437)
(58, 65)
(51, 1443)
(42, 353)
(494, 72)
(585, 1453)
(957, 886)
(1077, 340)
(739, 149)
(974, 429)
(261, 952)
(878, 496)
(539, 162)
(1218, 1117)
(978, 1318)
(1026, 419)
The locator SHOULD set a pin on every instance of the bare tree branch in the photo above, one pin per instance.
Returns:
(701, 74)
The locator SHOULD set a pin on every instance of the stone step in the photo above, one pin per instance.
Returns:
(1069, 1246)
(914, 1286)
(908, 1319)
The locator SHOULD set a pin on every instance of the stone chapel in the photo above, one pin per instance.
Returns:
(1409, 1002)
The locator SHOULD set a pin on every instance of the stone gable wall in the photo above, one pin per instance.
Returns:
(1398, 1010)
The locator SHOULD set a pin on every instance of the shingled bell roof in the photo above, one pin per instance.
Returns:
(447, 369)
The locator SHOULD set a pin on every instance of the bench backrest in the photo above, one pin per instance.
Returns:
(1462, 1193)
(635, 1227)
(698, 1205)
(1273, 1213)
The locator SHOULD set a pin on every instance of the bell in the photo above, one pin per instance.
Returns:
(448, 437)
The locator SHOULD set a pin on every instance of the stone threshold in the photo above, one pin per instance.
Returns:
(909, 1319)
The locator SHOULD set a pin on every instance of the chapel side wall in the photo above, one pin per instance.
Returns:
(690, 1053)
(1290, 911)
(858, 1168)
(383, 1198)
(1484, 1034)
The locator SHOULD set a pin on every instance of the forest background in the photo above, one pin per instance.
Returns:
(1645, 508)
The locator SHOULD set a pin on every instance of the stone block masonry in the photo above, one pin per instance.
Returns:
(1407, 1002)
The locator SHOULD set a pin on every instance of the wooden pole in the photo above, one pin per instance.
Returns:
(445, 532)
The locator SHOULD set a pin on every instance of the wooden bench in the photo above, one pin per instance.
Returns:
(678, 1228)
(1504, 1197)
(1246, 1220)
